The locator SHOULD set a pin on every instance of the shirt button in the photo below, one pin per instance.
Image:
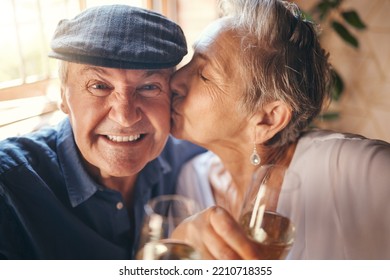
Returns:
(119, 205)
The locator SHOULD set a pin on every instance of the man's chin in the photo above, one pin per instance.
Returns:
(123, 171)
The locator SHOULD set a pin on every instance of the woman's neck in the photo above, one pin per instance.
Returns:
(231, 175)
(278, 155)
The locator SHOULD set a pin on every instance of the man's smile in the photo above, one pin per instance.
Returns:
(122, 138)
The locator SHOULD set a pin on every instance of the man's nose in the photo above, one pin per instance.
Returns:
(125, 110)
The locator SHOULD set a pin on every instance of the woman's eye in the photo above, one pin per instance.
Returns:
(202, 77)
(99, 89)
(151, 90)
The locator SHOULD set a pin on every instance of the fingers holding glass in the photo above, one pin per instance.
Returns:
(271, 210)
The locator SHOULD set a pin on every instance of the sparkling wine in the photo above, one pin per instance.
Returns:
(167, 250)
(274, 238)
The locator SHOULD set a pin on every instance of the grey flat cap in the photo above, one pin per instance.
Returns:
(119, 36)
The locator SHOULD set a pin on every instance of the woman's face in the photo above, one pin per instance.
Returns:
(207, 91)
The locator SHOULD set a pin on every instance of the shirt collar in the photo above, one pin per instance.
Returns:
(79, 183)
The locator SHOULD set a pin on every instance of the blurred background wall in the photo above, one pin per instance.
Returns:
(365, 103)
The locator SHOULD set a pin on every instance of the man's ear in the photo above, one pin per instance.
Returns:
(63, 103)
(271, 119)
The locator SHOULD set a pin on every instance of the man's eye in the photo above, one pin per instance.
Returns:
(149, 90)
(99, 86)
(99, 89)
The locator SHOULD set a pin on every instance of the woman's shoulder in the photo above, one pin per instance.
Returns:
(193, 181)
(329, 148)
(318, 138)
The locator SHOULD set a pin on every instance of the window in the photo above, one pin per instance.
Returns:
(26, 29)
(29, 89)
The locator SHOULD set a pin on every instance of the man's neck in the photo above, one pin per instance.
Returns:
(125, 185)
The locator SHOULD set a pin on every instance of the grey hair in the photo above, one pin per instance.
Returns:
(63, 71)
(281, 59)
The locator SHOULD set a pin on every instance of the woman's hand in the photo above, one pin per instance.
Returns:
(216, 235)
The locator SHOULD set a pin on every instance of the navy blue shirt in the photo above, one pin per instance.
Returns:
(50, 208)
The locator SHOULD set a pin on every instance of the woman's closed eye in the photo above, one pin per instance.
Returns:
(202, 76)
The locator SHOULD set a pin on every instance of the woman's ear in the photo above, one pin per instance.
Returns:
(271, 119)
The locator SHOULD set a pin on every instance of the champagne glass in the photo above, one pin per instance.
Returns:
(163, 214)
(271, 209)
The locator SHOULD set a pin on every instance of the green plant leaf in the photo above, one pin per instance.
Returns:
(325, 6)
(334, 3)
(337, 86)
(345, 34)
(323, 9)
(353, 19)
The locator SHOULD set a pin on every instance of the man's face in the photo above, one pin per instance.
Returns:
(120, 118)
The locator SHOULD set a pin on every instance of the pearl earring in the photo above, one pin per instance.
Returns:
(255, 157)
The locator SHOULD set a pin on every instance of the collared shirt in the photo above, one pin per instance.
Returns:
(50, 207)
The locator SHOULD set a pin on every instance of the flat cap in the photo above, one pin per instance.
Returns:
(119, 36)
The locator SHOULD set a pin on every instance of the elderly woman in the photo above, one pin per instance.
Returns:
(256, 81)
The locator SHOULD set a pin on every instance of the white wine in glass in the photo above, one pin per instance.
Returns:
(271, 210)
(163, 215)
(167, 250)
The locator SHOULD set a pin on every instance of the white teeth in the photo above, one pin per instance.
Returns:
(129, 138)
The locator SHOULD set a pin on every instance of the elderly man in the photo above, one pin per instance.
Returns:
(77, 191)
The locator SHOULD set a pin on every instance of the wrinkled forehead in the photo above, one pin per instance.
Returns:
(78, 72)
(220, 44)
